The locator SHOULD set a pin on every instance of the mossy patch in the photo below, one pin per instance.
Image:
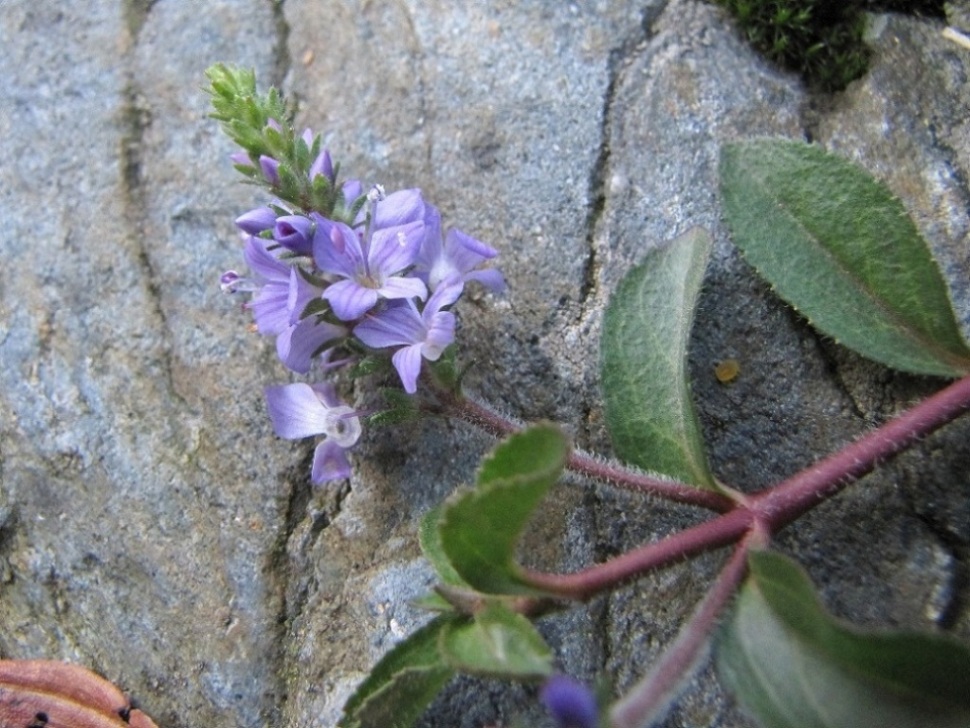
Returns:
(820, 39)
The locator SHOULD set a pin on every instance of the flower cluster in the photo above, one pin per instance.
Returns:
(371, 275)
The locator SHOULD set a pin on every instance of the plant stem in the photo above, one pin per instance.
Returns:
(769, 511)
(785, 502)
(658, 688)
(707, 536)
(484, 418)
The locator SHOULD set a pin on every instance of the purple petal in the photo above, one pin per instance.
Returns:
(398, 208)
(446, 294)
(397, 287)
(329, 463)
(394, 249)
(441, 332)
(297, 345)
(301, 292)
(350, 300)
(270, 169)
(431, 245)
(255, 221)
(465, 251)
(294, 232)
(407, 361)
(263, 263)
(296, 411)
(352, 189)
(322, 165)
(571, 703)
(336, 249)
(270, 309)
(397, 325)
(490, 278)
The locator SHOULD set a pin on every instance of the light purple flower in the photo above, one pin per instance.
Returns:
(369, 266)
(459, 254)
(571, 704)
(301, 410)
(425, 334)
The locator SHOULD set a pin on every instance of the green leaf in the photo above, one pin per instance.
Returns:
(403, 683)
(429, 537)
(497, 643)
(838, 247)
(643, 362)
(480, 528)
(795, 666)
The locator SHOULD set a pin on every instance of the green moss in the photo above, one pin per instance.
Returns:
(819, 39)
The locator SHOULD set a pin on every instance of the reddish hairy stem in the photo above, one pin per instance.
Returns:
(658, 688)
(713, 534)
(771, 510)
(486, 419)
(788, 500)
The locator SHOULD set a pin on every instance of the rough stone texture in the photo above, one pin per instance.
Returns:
(152, 527)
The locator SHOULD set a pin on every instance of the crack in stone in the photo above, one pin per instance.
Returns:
(954, 593)
(135, 118)
(619, 58)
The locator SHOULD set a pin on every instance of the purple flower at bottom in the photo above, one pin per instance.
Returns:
(301, 410)
(571, 704)
(425, 334)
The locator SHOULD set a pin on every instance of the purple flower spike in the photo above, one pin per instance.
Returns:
(460, 254)
(300, 410)
(421, 335)
(369, 267)
(255, 221)
(571, 704)
(294, 232)
(271, 169)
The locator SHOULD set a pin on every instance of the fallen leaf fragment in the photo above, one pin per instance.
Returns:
(51, 694)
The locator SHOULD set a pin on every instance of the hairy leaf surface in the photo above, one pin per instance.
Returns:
(497, 643)
(403, 683)
(795, 666)
(479, 529)
(643, 362)
(838, 247)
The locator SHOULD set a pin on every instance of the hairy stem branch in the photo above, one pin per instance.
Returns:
(785, 502)
(486, 419)
(654, 693)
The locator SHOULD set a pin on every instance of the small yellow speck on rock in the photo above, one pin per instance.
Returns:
(727, 371)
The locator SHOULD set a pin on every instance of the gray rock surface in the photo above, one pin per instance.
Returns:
(154, 529)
